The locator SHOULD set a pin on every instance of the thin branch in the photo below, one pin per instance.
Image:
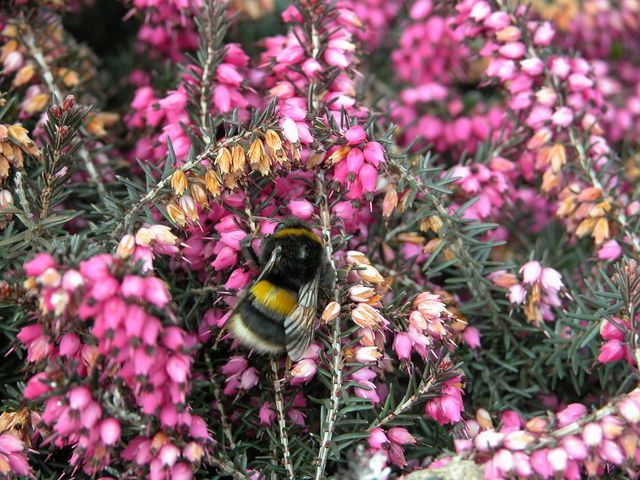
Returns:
(227, 468)
(336, 350)
(155, 192)
(49, 79)
(407, 404)
(284, 438)
(209, 32)
(23, 200)
(224, 422)
(476, 282)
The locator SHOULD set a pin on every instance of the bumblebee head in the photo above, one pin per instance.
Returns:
(299, 251)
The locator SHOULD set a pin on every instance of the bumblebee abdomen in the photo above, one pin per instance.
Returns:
(271, 298)
(257, 330)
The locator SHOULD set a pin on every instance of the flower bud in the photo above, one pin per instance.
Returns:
(126, 246)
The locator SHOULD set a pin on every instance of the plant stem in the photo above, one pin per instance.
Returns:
(284, 438)
(336, 350)
(49, 79)
(23, 200)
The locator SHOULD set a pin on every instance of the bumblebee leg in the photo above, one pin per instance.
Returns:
(248, 251)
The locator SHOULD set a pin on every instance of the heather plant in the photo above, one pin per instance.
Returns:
(471, 168)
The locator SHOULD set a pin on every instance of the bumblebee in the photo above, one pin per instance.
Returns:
(277, 312)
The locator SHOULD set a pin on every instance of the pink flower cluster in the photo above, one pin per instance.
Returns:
(391, 442)
(549, 448)
(291, 70)
(614, 332)
(100, 321)
(12, 457)
(539, 290)
(357, 163)
(167, 31)
(167, 116)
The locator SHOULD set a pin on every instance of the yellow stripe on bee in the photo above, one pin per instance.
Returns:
(274, 298)
(297, 231)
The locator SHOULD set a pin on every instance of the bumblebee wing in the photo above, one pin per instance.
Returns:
(298, 325)
(265, 270)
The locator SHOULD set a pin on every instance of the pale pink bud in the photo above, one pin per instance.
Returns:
(192, 452)
(402, 345)
(226, 257)
(629, 410)
(611, 427)
(540, 463)
(503, 459)
(610, 250)
(301, 208)
(374, 153)
(514, 50)
(336, 58)
(544, 34)
(132, 286)
(401, 436)
(551, 279)
(611, 452)
(521, 464)
(181, 471)
(37, 386)
(480, 11)
(310, 67)
(560, 66)
(236, 364)
(13, 62)
(463, 444)
(168, 454)
(377, 438)
(368, 354)
(71, 280)
(39, 264)
(303, 371)
(49, 278)
(69, 344)
(562, 117)
(368, 176)
(126, 246)
(557, 459)
(355, 135)
(79, 397)
(471, 336)
(331, 312)
(498, 20)
(592, 434)
(546, 96)
(572, 412)
(228, 74)
(178, 367)
(222, 98)
(538, 115)
(488, 440)
(531, 272)
(518, 440)
(156, 291)
(575, 447)
(6, 199)
(104, 288)
(249, 378)
(579, 82)
(614, 330)
(266, 415)
(612, 351)
(290, 130)
(532, 66)
(355, 159)
(110, 431)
